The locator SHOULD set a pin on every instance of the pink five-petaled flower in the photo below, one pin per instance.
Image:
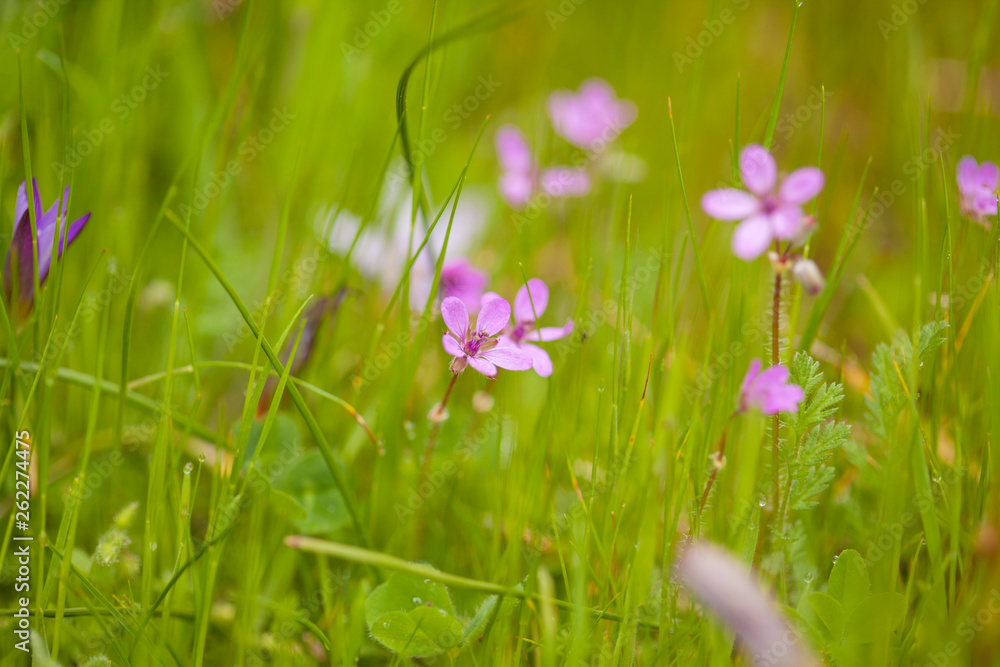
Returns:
(531, 300)
(480, 348)
(591, 118)
(45, 231)
(521, 177)
(460, 279)
(771, 210)
(769, 391)
(977, 188)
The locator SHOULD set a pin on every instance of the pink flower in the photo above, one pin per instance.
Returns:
(521, 178)
(480, 347)
(771, 210)
(461, 280)
(769, 391)
(977, 188)
(592, 117)
(531, 300)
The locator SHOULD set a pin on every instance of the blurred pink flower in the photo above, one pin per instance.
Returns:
(771, 210)
(592, 117)
(521, 178)
(481, 347)
(531, 300)
(977, 188)
(727, 588)
(769, 391)
(463, 281)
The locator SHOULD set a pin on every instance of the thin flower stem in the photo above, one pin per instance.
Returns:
(432, 438)
(720, 447)
(775, 358)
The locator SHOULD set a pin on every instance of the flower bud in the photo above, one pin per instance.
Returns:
(809, 276)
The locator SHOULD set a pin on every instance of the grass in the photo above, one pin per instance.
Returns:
(202, 497)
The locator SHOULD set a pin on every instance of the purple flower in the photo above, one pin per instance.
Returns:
(531, 300)
(461, 280)
(480, 347)
(521, 177)
(45, 227)
(977, 188)
(769, 391)
(592, 117)
(771, 210)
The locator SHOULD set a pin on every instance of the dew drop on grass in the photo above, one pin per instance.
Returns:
(417, 601)
(152, 546)
(762, 500)
(809, 577)
(188, 467)
(923, 541)
(835, 558)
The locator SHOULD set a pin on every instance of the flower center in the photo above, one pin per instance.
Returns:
(477, 342)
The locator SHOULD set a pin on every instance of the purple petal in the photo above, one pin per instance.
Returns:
(729, 204)
(493, 317)
(758, 170)
(784, 398)
(511, 358)
(787, 222)
(456, 316)
(802, 185)
(484, 366)
(513, 152)
(775, 375)
(546, 334)
(752, 237)
(565, 182)
(540, 360)
(534, 293)
(989, 175)
(451, 346)
(751, 375)
(967, 173)
(516, 187)
(75, 228)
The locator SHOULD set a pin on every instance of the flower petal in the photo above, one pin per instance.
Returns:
(775, 375)
(967, 173)
(748, 381)
(785, 398)
(451, 346)
(540, 360)
(456, 316)
(531, 299)
(75, 228)
(802, 185)
(516, 187)
(493, 317)
(729, 204)
(565, 182)
(509, 357)
(758, 170)
(513, 152)
(484, 366)
(546, 334)
(752, 237)
(989, 176)
(787, 222)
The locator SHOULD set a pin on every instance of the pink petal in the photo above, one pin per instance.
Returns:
(751, 375)
(451, 346)
(511, 358)
(989, 175)
(540, 360)
(513, 152)
(775, 375)
(787, 222)
(516, 187)
(546, 334)
(967, 173)
(783, 399)
(484, 366)
(565, 182)
(752, 237)
(456, 316)
(802, 185)
(758, 170)
(489, 296)
(523, 301)
(729, 204)
(493, 317)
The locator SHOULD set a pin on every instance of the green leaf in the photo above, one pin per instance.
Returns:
(279, 500)
(309, 483)
(849, 583)
(875, 618)
(830, 612)
(412, 616)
